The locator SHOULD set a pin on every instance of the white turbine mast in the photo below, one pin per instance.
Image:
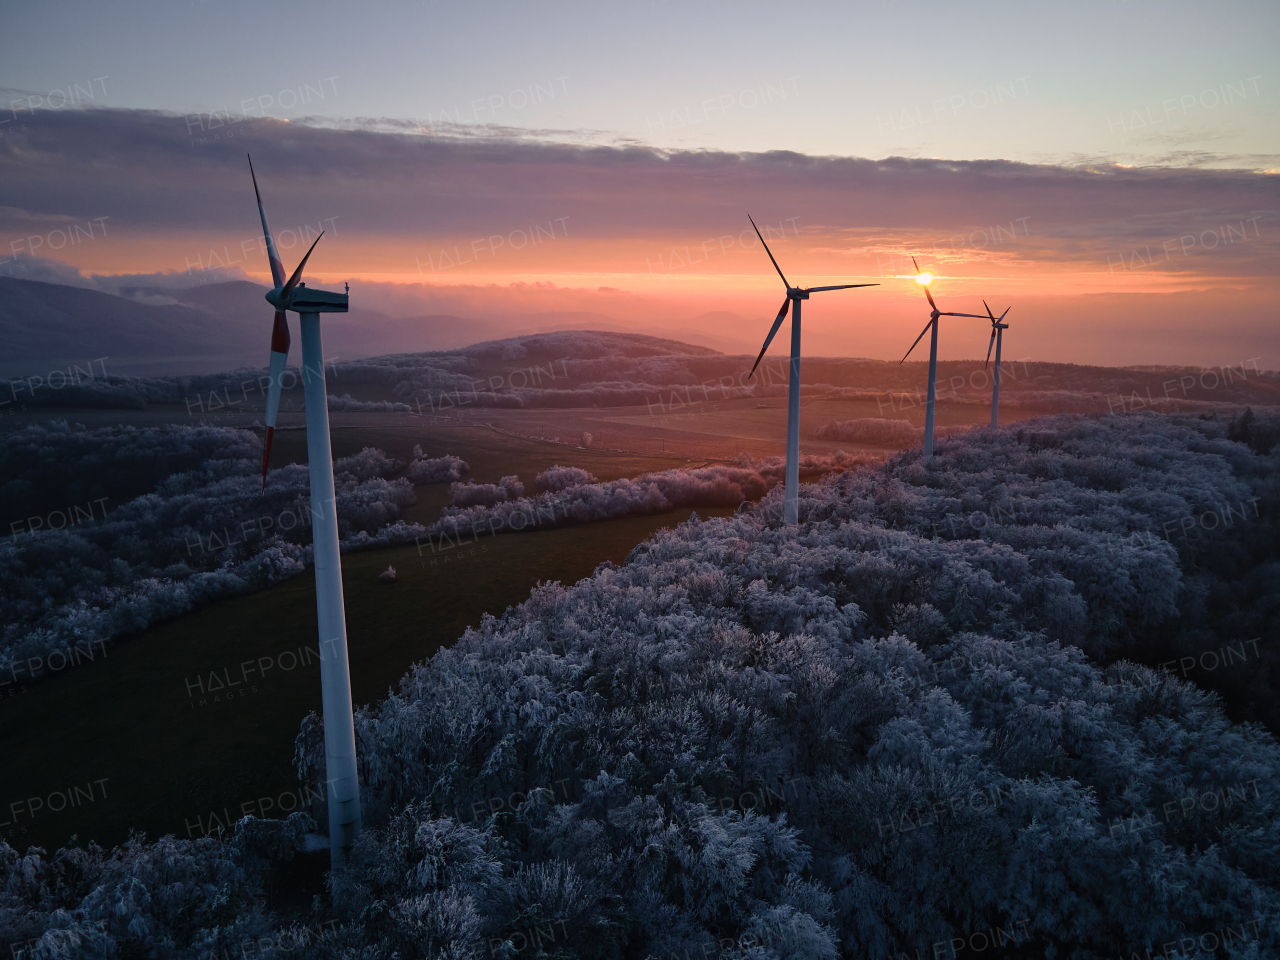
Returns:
(998, 327)
(343, 795)
(791, 503)
(924, 279)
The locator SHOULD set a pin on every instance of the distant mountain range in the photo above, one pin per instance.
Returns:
(155, 331)
(204, 329)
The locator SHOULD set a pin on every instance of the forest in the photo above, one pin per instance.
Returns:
(121, 527)
(964, 704)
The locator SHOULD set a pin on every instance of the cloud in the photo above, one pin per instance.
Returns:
(530, 230)
(46, 270)
(155, 170)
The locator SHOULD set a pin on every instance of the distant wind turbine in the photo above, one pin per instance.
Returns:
(335, 676)
(998, 327)
(924, 279)
(791, 503)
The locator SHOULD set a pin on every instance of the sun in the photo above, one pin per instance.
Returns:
(924, 279)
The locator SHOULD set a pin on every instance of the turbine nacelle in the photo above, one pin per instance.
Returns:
(793, 293)
(304, 299)
(997, 323)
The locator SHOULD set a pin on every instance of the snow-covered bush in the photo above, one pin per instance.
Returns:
(486, 494)
(877, 430)
(171, 898)
(349, 404)
(58, 466)
(446, 469)
(559, 478)
(205, 531)
(367, 464)
(880, 431)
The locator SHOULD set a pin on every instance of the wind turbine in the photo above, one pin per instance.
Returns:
(924, 279)
(997, 334)
(791, 503)
(335, 676)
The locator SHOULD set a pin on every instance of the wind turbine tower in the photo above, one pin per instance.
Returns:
(998, 327)
(791, 502)
(924, 279)
(335, 675)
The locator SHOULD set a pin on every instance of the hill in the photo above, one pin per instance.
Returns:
(558, 369)
(152, 330)
(48, 326)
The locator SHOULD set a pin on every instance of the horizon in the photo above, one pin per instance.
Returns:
(672, 339)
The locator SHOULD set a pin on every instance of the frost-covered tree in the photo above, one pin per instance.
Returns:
(908, 720)
(447, 469)
(206, 530)
(486, 494)
(559, 478)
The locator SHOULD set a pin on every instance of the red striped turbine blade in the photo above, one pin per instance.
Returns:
(279, 356)
(273, 258)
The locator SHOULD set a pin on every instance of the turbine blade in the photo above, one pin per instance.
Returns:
(782, 315)
(990, 344)
(1005, 314)
(770, 252)
(297, 274)
(913, 346)
(989, 313)
(273, 258)
(279, 355)
(976, 316)
(843, 286)
(926, 289)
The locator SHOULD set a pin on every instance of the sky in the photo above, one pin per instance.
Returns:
(1107, 169)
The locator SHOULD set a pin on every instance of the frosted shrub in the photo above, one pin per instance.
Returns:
(446, 469)
(873, 430)
(559, 478)
(486, 494)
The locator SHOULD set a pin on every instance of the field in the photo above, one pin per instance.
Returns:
(149, 695)
(152, 695)
(660, 436)
(157, 694)
(188, 726)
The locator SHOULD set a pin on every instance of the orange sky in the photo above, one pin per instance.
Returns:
(1100, 263)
